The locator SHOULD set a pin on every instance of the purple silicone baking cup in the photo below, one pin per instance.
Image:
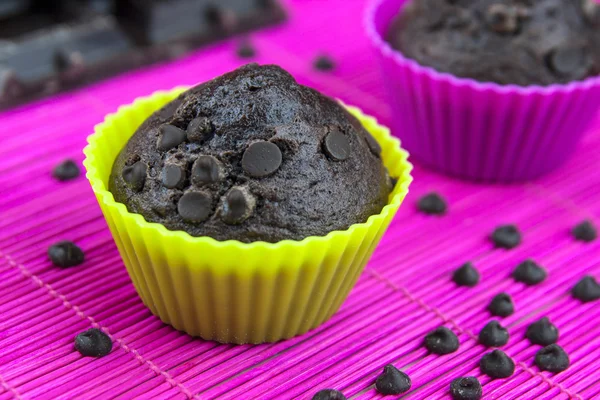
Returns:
(482, 131)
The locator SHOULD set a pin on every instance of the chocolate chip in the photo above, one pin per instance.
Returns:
(552, 358)
(324, 63)
(501, 305)
(392, 381)
(199, 130)
(169, 136)
(206, 170)
(135, 175)
(587, 289)
(66, 170)
(261, 159)
(493, 335)
(373, 145)
(237, 206)
(245, 49)
(502, 18)
(467, 388)
(585, 232)
(441, 341)
(466, 275)
(432, 204)
(93, 343)
(568, 62)
(336, 145)
(506, 237)
(173, 176)
(529, 273)
(497, 365)
(329, 394)
(195, 206)
(65, 254)
(542, 332)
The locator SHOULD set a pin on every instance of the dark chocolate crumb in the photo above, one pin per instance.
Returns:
(336, 145)
(93, 343)
(466, 275)
(493, 335)
(432, 204)
(170, 136)
(441, 341)
(529, 273)
(542, 332)
(329, 394)
(501, 305)
(245, 49)
(466, 388)
(324, 63)
(261, 159)
(497, 365)
(135, 175)
(392, 381)
(66, 170)
(65, 254)
(585, 231)
(552, 358)
(195, 206)
(506, 237)
(587, 289)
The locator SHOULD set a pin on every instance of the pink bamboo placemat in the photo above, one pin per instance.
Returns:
(404, 292)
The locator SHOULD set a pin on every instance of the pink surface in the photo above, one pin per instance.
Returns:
(404, 292)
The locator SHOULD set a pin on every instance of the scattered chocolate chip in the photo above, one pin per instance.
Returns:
(324, 63)
(587, 289)
(441, 341)
(237, 206)
(261, 159)
(195, 206)
(199, 130)
(432, 204)
(466, 275)
(467, 388)
(497, 365)
(529, 273)
(93, 343)
(329, 394)
(506, 236)
(552, 358)
(206, 170)
(173, 176)
(585, 231)
(568, 62)
(245, 49)
(542, 332)
(336, 145)
(65, 254)
(502, 18)
(493, 335)
(373, 145)
(392, 381)
(135, 175)
(501, 305)
(169, 136)
(66, 170)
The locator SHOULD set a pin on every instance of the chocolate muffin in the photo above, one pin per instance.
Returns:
(523, 42)
(252, 156)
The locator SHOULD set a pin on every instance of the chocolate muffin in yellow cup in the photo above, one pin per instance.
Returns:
(245, 208)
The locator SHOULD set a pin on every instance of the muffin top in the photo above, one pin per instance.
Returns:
(252, 156)
(522, 42)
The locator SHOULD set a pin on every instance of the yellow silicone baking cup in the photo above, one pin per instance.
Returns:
(229, 291)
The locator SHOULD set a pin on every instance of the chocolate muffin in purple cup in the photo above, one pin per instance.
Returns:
(492, 90)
